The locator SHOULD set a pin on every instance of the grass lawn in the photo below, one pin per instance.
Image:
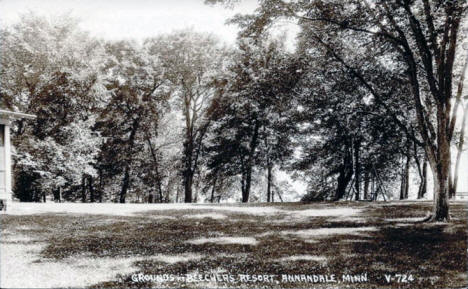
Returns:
(231, 245)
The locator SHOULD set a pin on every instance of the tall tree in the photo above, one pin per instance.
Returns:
(191, 61)
(138, 92)
(420, 36)
(51, 69)
(252, 129)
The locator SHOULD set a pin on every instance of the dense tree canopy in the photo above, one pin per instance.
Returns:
(370, 93)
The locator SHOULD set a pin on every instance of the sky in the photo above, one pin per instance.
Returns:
(139, 19)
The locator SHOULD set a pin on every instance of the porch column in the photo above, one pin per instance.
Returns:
(8, 186)
(5, 162)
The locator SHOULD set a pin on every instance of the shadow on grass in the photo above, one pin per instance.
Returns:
(434, 254)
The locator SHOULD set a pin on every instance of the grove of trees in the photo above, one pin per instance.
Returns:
(371, 92)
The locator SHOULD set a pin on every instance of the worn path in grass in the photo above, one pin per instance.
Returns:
(111, 245)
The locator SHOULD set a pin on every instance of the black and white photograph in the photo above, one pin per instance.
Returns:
(234, 144)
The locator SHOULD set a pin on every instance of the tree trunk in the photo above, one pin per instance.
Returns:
(441, 209)
(126, 179)
(247, 184)
(402, 184)
(188, 171)
(343, 181)
(450, 184)
(156, 166)
(405, 175)
(213, 188)
(269, 179)
(357, 168)
(158, 176)
(461, 141)
(83, 189)
(188, 181)
(195, 198)
(423, 184)
(100, 186)
(440, 170)
(247, 178)
(366, 185)
(125, 185)
(346, 173)
(177, 193)
(91, 189)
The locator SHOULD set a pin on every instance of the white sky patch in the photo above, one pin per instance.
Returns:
(225, 241)
(140, 19)
(136, 19)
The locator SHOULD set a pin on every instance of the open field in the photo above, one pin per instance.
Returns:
(112, 245)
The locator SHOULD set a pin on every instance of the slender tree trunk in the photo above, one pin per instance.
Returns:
(366, 185)
(188, 172)
(402, 184)
(100, 186)
(91, 189)
(126, 179)
(423, 184)
(357, 168)
(269, 179)
(177, 193)
(461, 142)
(188, 182)
(197, 189)
(159, 183)
(248, 181)
(346, 173)
(405, 175)
(450, 184)
(213, 189)
(344, 178)
(156, 165)
(125, 185)
(422, 171)
(407, 167)
(83, 189)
